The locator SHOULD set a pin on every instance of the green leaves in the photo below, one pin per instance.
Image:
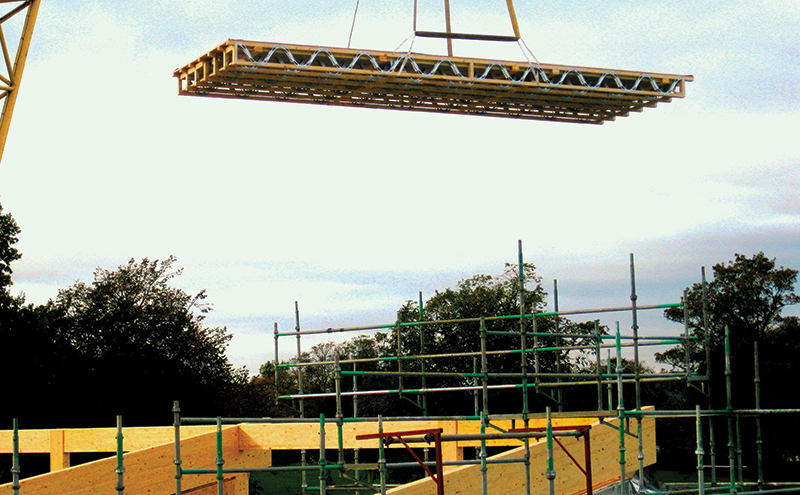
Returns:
(747, 295)
(8, 253)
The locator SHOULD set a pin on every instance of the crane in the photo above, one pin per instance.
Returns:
(11, 70)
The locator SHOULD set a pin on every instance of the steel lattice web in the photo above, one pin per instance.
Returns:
(416, 82)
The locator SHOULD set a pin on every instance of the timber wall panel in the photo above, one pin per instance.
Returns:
(147, 471)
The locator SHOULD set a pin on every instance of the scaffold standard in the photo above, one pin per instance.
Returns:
(417, 82)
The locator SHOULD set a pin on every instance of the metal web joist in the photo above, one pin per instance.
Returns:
(416, 82)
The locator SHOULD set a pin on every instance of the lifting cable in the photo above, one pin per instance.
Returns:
(353, 26)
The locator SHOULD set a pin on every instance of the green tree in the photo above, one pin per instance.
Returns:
(748, 296)
(36, 364)
(448, 333)
(258, 397)
(142, 343)
(491, 296)
(9, 230)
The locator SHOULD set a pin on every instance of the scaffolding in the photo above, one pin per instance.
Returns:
(550, 428)
(538, 381)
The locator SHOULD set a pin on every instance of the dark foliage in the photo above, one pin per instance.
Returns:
(746, 295)
(127, 344)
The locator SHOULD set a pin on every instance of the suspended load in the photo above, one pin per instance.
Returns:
(429, 83)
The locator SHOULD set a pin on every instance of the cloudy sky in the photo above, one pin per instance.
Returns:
(351, 212)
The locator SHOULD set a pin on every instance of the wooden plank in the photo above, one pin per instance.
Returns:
(151, 469)
(31, 441)
(137, 438)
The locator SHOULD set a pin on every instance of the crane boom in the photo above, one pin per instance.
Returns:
(11, 73)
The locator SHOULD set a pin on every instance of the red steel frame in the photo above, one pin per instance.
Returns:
(434, 434)
(587, 448)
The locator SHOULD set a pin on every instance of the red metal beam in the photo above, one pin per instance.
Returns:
(435, 435)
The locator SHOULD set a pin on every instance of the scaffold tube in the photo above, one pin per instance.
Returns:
(15, 469)
(707, 384)
(483, 455)
(728, 388)
(467, 388)
(551, 470)
(699, 452)
(466, 437)
(658, 342)
(381, 457)
(524, 365)
(176, 413)
(322, 460)
(220, 461)
(621, 415)
(120, 468)
(387, 326)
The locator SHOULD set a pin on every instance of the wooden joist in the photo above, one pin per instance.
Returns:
(417, 82)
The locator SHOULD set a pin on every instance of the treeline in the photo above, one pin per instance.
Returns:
(126, 344)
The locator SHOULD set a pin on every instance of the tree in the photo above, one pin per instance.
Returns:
(35, 363)
(447, 333)
(129, 343)
(142, 343)
(258, 397)
(491, 296)
(746, 295)
(9, 230)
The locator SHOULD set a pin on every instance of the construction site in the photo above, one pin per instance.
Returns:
(606, 450)
(542, 450)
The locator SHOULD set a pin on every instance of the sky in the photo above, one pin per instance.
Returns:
(352, 212)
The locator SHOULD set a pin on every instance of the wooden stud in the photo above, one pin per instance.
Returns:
(59, 458)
